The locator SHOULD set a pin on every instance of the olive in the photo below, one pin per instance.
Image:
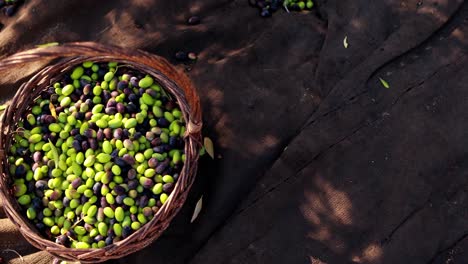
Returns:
(153, 162)
(168, 187)
(110, 110)
(131, 174)
(118, 133)
(265, 12)
(122, 85)
(162, 122)
(97, 187)
(181, 55)
(126, 231)
(119, 190)
(194, 20)
(120, 108)
(108, 133)
(131, 108)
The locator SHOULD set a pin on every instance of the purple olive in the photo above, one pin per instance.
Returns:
(119, 190)
(88, 115)
(133, 98)
(152, 93)
(119, 199)
(131, 108)
(118, 133)
(168, 187)
(153, 162)
(108, 133)
(122, 85)
(120, 108)
(97, 187)
(48, 119)
(110, 110)
(87, 89)
(130, 160)
(54, 196)
(76, 183)
(104, 202)
(106, 96)
(111, 103)
(162, 122)
(148, 212)
(84, 145)
(131, 174)
(100, 135)
(134, 81)
(93, 144)
(143, 202)
(127, 92)
(194, 20)
(74, 132)
(126, 231)
(41, 184)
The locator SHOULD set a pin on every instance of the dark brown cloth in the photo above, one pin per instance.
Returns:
(316, 161)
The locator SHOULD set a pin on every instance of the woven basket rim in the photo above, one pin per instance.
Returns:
(71, 55)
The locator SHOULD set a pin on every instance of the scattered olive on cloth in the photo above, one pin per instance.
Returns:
(97, 155)
(268, 7)
(10, 6)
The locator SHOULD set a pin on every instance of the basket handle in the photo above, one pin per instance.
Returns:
(90, 49)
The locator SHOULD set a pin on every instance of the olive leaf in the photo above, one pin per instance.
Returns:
(208, 144)
(45, 45)
(52, 110)
(345, 42)
(202, 151)
(197, 209)
(54, 153)
(384, 83)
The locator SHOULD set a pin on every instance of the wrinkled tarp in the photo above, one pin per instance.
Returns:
(316, 161)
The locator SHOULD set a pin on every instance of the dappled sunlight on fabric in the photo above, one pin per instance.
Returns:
(142, 3)
(357, 23)
(330, 202)
(226, 136)
(222, 58)
(258, 147)
(432, 11)
(120, 34)
(370, 254)
(314, 260)
(325, 209)
(458, 34)
(199, 28)
(195, 8)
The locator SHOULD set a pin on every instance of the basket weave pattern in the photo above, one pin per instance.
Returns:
(65, 57)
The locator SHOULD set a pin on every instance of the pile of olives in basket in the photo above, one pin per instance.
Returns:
(96, 155)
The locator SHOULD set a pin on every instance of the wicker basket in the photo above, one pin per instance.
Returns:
(64, 58)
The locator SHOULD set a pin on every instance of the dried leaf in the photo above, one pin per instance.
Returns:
(14, 251)
(209, 147)
(384, 83)
(45, 45)
(285, 5)
(197, 210)
(54, 153)
(52, 110)
(345, 42)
